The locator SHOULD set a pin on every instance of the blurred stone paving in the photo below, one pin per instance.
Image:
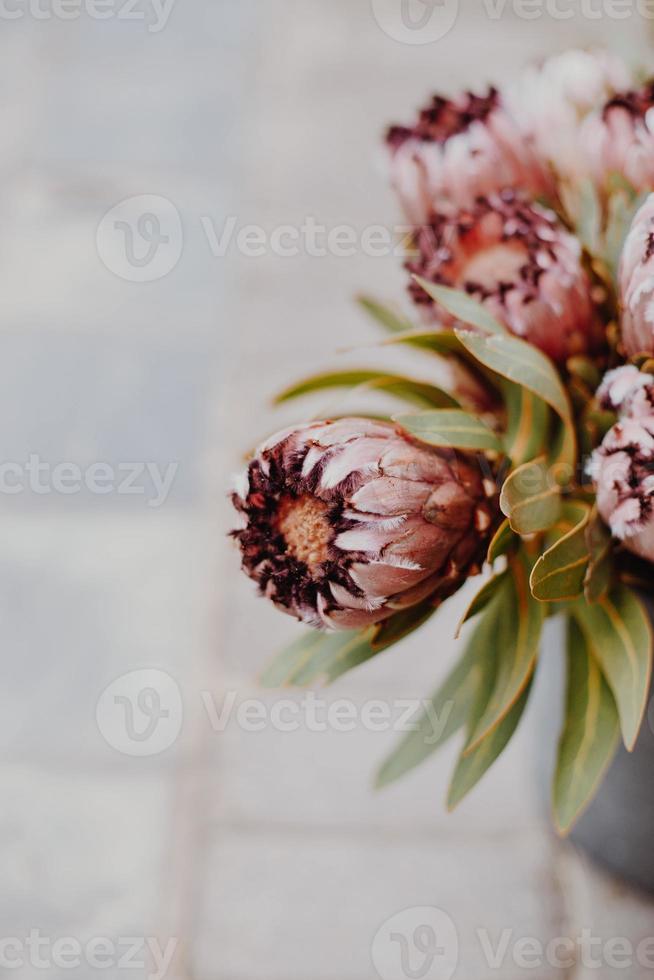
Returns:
(261, 855)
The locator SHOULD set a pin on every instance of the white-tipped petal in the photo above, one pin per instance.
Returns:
(333, 538)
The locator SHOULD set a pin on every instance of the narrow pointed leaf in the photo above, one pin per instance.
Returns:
(315, 654)
(290, 660)
(559, 573)
(417, 392)
(443, 342)
(618, 633)
(483, 597)
(450, 428)
(502, 541)
(525, 365)
(319, 656)
(402, 623)
(462, 306)
(530, 498)
(384, 316)
(590, 735)
(518, 637)
(472, 766)
(447, 713)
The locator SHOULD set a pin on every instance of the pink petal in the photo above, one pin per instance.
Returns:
(383, 579)
(362, 455)
(391, 495)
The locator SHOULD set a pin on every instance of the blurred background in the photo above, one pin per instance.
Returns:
(154, 823)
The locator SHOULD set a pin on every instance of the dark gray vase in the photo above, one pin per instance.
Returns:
(617, 829)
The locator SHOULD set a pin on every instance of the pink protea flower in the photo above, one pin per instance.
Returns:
(622, 469)
(346, 522)
(636, 282)
(620, 139)
(625, 390)
(458, 149)
(550, 101)
(520, 262)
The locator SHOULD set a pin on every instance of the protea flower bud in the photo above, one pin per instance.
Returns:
(457, 150)
(551, 100)
(622, 470)
(626, 390)
(519, 261)
(620, 139)
(347, 522)
(636, 281)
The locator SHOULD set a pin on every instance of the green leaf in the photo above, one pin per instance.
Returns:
(461, 306)
(316, 654)
(618, 633)
(319, 656)
(445, 344)
(518, 635)
(528, 420)
(530, 499)
(599, 543)
(402, 623)
(447, 713)
(590, 735)
(384, 316)
(585, 369)
(481, 600)
(417, 392)
(501, 542)
(450, 428)
(291, 660)
(589, 221)
(472, 766)
(525, 365)
(442, 342)
(559, 573)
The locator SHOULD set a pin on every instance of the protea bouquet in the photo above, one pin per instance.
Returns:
(531, 274)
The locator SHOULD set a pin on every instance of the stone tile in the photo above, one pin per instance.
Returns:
(271, 847)
(85, 401)
(52, 223)
(282, 906)
(153, 91)
(84, 603)
(82, 855)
